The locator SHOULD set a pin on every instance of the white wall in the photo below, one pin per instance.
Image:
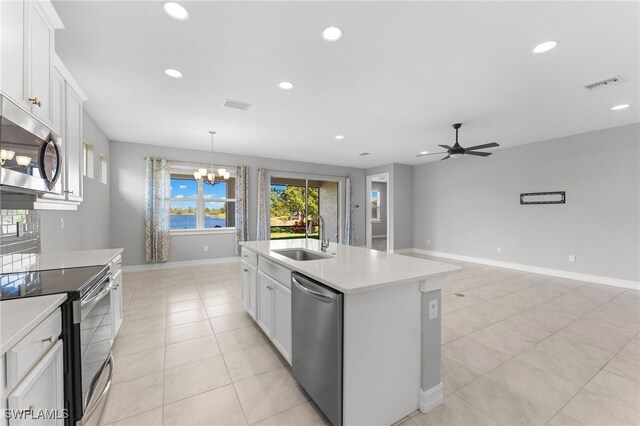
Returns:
(127, 199)
(470, 206)
(89, 226)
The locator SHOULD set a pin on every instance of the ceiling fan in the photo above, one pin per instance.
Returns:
(457, 151)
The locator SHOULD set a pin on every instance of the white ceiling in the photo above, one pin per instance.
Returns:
(402, 73)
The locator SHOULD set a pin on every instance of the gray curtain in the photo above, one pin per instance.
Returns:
(157, 209)
(241, 206)
(263, 206)
(348, 225)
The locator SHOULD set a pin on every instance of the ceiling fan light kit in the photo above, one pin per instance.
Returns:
(457, 151)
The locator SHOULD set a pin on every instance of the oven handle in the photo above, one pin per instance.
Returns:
(103, 394)
(100, 295)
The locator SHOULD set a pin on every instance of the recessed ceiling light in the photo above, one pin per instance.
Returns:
(621, 106)
(285, 85)
(332, 34)
(339, 137)
(176, 11)
(173, 73)
(424, 152)
(545, 47)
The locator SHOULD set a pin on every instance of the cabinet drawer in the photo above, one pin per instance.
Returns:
(116, 265)
(250, 257)
(23, 356)
(41, 389)
(275, 271)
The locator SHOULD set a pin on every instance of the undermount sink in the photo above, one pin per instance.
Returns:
(302, 254)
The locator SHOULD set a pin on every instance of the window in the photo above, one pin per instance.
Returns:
(87, 160)
(375, 206)
(200, 205)
(104, 169)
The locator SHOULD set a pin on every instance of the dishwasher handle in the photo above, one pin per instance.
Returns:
(324, 297)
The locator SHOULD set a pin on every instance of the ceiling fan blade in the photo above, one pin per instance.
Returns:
(447, 147)
(448, 156)
(486, 145)
(434, 153)
(479, 154)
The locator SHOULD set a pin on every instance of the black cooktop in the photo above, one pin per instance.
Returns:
(53, 281)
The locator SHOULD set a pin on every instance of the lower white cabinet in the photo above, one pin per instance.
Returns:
(249, 275)
(282, 319)
(41, 392)
(274, 312)
(116, 302)
(265, 303)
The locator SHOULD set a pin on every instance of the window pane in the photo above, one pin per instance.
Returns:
(184, 187)
(219, 214)
(221, 189)
(183, 214)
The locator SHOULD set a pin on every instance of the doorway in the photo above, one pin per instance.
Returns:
(379, 212)
(295, 201)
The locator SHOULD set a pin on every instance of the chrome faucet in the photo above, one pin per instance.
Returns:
(324, 242)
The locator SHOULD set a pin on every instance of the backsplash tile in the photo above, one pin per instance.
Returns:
(19, 232)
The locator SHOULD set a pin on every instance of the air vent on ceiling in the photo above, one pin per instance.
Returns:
(604, 83)
(364, 154)
(236, 104)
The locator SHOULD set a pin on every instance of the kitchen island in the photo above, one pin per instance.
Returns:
(391, 324)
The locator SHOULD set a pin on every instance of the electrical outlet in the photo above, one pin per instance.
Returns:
(572, 258)
(433, 309)
(61, 223)
(428, 242)
(206, 249)
(499, 250)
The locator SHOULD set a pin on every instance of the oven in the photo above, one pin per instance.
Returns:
(30, 152)
(96, 339)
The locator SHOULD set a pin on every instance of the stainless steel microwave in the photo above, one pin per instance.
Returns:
(30, 152)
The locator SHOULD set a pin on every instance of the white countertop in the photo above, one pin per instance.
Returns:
(19, 316)
(57, 260)
(353, 269)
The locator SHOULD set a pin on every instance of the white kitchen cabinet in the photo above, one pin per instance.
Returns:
(41, 389)
(12, 50)
(39, 60)
(116, 303)
(27, 48)
(274, 312)
(73, 144)
(265, 303)
(249, 275)
(282, 319)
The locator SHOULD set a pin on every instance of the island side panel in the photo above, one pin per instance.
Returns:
(382, 334)
(431, 394)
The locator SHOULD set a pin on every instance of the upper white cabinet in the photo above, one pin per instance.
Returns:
(28, 43)
(73, 144)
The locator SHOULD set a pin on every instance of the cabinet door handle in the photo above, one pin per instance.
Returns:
(68, 192)
(48, 339)
(246, 270)
(35, 101)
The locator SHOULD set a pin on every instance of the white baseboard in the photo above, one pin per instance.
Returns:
(405, 250)
(182, 264)
(431, 398)
(379, 236)
(615, 282)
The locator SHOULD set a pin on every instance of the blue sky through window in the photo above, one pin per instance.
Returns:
(184, 188)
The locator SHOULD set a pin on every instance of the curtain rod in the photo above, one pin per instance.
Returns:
(189, 163)
(303, 173)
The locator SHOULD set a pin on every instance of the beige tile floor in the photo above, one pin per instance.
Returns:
(518, 348)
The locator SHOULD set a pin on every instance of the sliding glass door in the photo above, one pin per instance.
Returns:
(295, 204)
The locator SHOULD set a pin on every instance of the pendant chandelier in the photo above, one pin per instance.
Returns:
(202, 172)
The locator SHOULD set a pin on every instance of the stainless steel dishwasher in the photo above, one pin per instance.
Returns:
(317, 343)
